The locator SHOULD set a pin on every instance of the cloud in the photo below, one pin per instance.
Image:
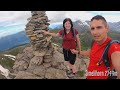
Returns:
(11, 30)
(110, 16)
(20, 17)
(10, 17)
(9, 20)
(79, 15)
(59, 16)
(56, 16)
(12, 22)
(106, 12)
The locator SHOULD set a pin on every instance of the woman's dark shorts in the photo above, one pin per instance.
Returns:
(68, 56)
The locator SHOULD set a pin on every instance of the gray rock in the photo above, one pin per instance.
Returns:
(42, 60)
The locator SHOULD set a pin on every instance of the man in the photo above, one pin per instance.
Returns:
(99, 30)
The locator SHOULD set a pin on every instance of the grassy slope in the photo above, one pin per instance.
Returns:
(5, 61)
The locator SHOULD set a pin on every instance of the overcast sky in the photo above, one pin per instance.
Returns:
(56, 16)
(15, 21)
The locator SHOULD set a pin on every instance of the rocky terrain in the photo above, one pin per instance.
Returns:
(29, 66)
(42, 59)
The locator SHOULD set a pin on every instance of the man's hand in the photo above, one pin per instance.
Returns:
(74, 51)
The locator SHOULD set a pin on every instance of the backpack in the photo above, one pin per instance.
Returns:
(106, 60)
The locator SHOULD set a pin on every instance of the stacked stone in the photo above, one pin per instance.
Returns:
(41, 60)
(40, 43)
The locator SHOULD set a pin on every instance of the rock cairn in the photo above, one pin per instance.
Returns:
(40, 43)
(40, 60)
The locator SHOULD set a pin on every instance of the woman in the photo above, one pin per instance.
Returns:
(69, 43)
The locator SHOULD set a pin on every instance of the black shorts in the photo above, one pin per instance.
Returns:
(69, 56)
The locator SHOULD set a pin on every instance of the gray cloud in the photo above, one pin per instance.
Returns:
(56, 16)
(14, 16)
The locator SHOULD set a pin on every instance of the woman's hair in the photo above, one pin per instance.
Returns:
(64, 21)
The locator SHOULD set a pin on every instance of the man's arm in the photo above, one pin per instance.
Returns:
(85, 53)
(115, 57)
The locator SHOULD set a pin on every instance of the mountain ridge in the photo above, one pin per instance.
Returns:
(13, 40)
(21, 38)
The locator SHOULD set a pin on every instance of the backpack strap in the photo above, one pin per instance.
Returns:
(106, 60)
(92, 43)
(74, 35)
(62, 33)
(105, 55)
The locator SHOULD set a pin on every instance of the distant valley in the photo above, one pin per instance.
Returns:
(13, 40)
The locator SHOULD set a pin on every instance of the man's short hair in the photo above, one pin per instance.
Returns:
(99, 17)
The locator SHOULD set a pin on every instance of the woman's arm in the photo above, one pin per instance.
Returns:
(49, 33)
